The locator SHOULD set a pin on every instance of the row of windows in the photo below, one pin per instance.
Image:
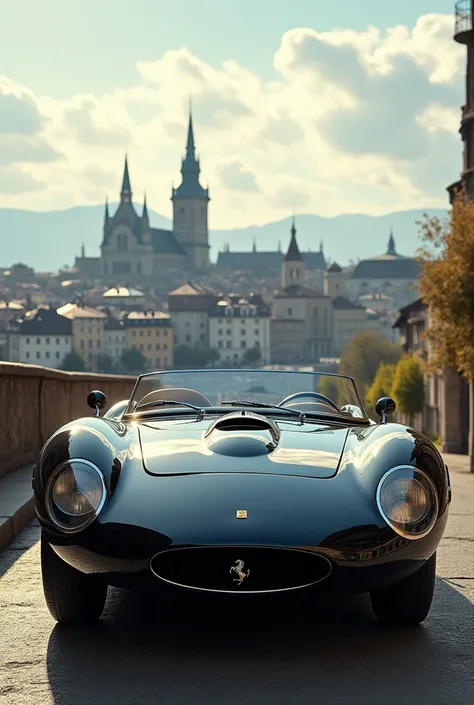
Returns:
(47, 341)
(201, 325)
(38, 355)
(140, 333)
(98, 344)
(228, 344)
(242, 332)
(149, 346)
(229, 311)
(187, 338)
(97, 331)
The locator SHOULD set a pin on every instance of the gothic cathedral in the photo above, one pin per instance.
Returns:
(132, 248)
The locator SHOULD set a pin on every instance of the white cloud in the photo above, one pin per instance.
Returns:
(357, 121)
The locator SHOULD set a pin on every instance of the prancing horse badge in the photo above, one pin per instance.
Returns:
(241, 514)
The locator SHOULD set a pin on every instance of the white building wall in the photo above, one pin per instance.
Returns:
(231, 336)
(190, 328)
(115, 343)
(47, 350)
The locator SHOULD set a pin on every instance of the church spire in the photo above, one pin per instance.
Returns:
(190, 170)
(293, 254)
(391, 244)
(145, 209)
(190, 147)
(106, 212)
(126, 192)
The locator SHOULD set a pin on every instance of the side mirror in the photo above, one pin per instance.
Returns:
(97, 400)
(385, 407)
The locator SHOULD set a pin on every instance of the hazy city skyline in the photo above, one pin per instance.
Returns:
(331, 110)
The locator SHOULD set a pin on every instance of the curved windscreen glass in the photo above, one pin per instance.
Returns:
(317, 392)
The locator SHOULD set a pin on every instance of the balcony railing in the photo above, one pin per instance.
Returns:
(463, 22)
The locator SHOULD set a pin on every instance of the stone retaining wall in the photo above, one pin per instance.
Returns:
(35, 401)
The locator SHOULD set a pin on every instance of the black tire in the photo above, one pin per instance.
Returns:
(408, 602)
(72, 597)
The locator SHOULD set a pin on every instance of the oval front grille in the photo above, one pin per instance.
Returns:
(246, 569)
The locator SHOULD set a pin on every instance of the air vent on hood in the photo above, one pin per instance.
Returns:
(243, 421)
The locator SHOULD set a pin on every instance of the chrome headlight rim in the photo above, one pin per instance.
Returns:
(397, 527)
(50, 505)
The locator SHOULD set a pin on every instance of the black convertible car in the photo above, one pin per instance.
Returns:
(240, 482)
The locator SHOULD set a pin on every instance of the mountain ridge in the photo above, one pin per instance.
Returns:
(52, 239)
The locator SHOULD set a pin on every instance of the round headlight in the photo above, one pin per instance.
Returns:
(408, 501)
(75, 494)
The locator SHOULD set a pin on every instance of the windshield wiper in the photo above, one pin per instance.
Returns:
(264, 405)
(172, 402)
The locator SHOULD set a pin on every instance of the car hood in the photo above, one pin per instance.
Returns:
(227, 445)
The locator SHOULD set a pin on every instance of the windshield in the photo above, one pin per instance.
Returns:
(308, 392)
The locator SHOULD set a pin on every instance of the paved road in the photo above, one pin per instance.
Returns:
(336, 654)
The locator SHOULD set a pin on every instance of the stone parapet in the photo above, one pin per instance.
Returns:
(35, 401)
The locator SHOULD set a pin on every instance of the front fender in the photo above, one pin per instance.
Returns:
(104, 442)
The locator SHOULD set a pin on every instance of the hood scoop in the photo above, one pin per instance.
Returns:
(242, 434)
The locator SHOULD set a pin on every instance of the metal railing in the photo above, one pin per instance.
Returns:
(463, 22)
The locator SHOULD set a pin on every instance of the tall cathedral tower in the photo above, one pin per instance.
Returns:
(190, 206)
(464, 34)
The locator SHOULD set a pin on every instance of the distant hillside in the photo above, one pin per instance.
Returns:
(49, 240)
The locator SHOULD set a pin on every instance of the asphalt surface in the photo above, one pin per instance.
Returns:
(332, 653)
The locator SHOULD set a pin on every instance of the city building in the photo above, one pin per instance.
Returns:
(301, 324)
(115, 338)
(131, 247)
(238, 324)
(40, 337)
(123, 296)
(152, 334)
(189, 307)
(87, 325)
(390, 274)
(266, 263)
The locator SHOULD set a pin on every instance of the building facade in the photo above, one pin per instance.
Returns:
(390, 274)
(132, 249)
(87, 327)
(40, 337)
(189, 307)
(152, 334)
(238, 324)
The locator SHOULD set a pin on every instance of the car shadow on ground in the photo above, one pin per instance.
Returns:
(327, 650)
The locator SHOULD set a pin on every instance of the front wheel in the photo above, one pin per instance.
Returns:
(407, 602)
(72, 597)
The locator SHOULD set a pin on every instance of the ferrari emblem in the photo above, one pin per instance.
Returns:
(238, 569)
(241, 514)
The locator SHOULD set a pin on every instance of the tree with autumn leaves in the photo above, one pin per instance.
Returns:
(447, 287)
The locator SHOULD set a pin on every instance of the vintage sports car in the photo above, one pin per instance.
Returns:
(240, 482)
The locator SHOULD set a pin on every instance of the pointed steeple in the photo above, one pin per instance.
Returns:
(145, 209)
(106, 212)
(83, 251)
(293, 254)
(391, 244)
(190, 170)
(321, 245)
(254, 246)
(126, 192)
(190, 147)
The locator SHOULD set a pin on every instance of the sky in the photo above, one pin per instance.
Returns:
(325, 107)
